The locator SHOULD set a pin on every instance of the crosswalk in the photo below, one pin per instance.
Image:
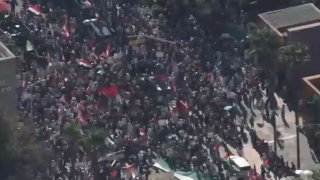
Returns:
(284, 138)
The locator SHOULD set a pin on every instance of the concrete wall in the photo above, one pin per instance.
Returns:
(308, 92)
(310, 37)
(8, 87)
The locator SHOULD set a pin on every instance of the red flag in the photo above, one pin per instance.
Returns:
(106, 52)
(162, 77)
(174, 85)
(34, 9)
(266, 163)
(182, 107)
(91, 43)
(114, 174)
(111, 91)
(82, 116)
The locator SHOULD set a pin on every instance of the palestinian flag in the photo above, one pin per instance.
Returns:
(35, 10)
(85, 64)
(267, 165)
(227, 155)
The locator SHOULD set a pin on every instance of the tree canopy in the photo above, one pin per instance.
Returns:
(21, 155)
(316, 175)
(268, 51)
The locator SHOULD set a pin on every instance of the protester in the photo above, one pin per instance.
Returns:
(172, 93)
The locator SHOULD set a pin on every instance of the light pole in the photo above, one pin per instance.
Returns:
(298, 138)
(275, 135)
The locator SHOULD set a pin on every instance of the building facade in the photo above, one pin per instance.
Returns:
(8, 83)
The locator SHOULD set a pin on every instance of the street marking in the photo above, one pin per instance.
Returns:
(284, 138)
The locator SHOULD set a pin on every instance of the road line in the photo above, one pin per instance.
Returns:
(284, 138)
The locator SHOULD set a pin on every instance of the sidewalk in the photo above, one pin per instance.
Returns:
(288, 135)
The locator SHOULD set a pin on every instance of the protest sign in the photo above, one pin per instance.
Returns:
(137, 42)
(159, 54)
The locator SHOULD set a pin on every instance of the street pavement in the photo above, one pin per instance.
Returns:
(19, 7)
(288, 135)
(248, 152)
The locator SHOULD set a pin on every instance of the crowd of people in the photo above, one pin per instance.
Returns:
(154, 90)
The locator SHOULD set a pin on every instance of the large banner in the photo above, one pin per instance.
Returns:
(137, 42)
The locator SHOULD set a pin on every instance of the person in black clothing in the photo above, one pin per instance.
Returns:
(263, 172)
(13, 4)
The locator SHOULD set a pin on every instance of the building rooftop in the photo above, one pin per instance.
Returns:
(308, 26)
(313, 82)
(291, 17)
(5, 53)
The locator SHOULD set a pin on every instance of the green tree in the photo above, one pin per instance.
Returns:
(22, 156)
(291, 56)
(73, 132)
(316, 175)
(97, 136)
(263, 49)
(293, 53)
(89, 142)
(273, 56)
(75, 135)
(269, 51)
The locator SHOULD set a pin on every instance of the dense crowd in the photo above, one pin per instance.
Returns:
(175, 93)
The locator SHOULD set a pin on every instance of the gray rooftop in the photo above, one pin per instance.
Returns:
(5, 53)
(291, 16)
